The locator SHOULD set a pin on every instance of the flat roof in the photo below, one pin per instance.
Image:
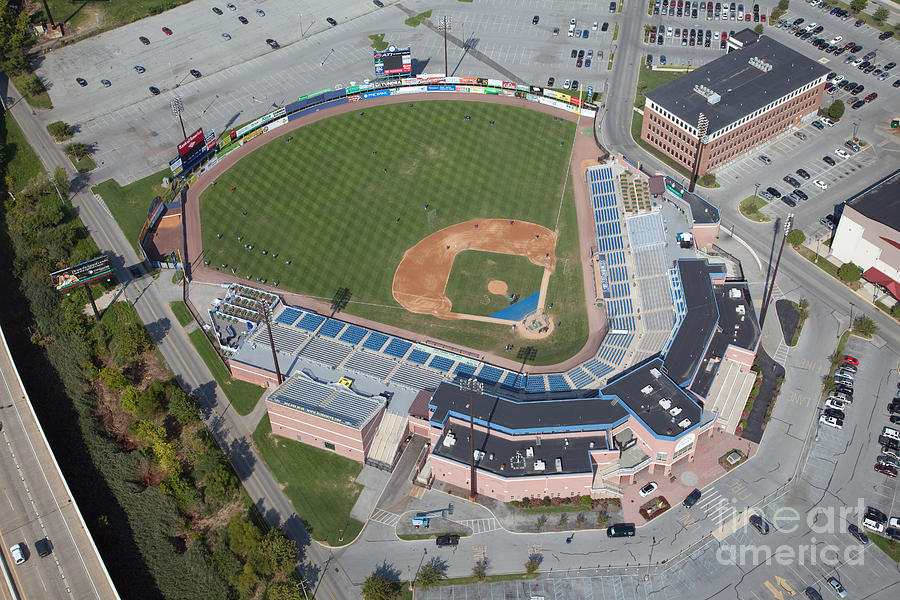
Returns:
(737, 326)
(655, 399)
(331, 401)
(522, 456)
(742, 88)
(699, 322)
(524, 414)
(701, 210)
(881, 202)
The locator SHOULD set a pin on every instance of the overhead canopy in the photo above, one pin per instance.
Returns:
(875, 276)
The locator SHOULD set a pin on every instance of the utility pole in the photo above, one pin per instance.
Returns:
(445, 25)
(472, 385)
(702, 126)
(265, 314)
(177, 107)
(788, 226)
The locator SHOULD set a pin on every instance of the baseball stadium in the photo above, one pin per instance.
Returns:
(436, 251)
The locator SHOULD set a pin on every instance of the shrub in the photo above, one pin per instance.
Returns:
(532, 564)
(378, 587)
(796, 237)
(849, 273)
(60, 131)
(708, 180)
(881, 14)
(479, 571)
(32, 86)
(783, 4)
(546, 501)
(759, 28)
(114, 379)
(429, 575)
(865, 326)
(836, 110)
(858, 5)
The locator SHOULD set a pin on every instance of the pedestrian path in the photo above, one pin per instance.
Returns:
(481, 525)
(385, 518)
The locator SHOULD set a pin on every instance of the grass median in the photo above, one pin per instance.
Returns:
(751, 207)
(243, 396)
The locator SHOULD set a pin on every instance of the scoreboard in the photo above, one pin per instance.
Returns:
(393, 62)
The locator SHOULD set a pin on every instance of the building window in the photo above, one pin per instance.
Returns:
(298, 438)
(683, 451)
(662, 456)
(329, 445)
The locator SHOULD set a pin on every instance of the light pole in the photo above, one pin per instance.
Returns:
(265, 315)
(855, 127)
(702, 139)
(472, 385)
(788, 226)
(330, 52)
(301, 25)
(851, 316)
(445, 25)
(177, 107)
(756, 191)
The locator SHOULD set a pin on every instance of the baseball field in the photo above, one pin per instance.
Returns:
(338, 202)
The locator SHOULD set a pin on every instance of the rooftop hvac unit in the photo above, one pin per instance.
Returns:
(449, 439)
(740, 309)
(675, 411)
(665, 403)
(734, 293)
(758, 63)
(529, 451)
(711, 96)
(647, 389)
(539, 465)
(559, 465)
(684, 423)
(478, 455)
(655, 373)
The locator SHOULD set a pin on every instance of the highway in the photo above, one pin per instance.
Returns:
(37, 504)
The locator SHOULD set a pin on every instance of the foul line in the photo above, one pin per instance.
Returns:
(568, 165)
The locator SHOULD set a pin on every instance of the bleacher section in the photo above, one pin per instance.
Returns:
(326, 351)
(331, 328)
(310, 321)
(418, 357)
(415, 378)
(339, 404)
(397, 348)
(353, 334)
(371, 364)
(288, 316)
(375, 341)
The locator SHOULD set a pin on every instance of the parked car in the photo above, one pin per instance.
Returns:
(243, 20)
(105, 82)
(217, 10)
(144, 41)
(154, 90)
(447, 540)
(828, 160)
(648, 489)
(837, 587)
(139, 68)
(196, 73)
(272, 43)
(775, 193)
(885, 469)
(760, 524)
(850, 360)
(831, 422)
(331, 21)
(802, 173)
(765, 159)
(81, 81)
(167, 31)
(692, 498)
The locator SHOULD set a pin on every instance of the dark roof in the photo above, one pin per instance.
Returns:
(699, 322)
(737, 326)
(657, 185)
(745, 36)
(523, 413)
(742, 87)
(510, 457)
(701, 210)
(881, 202)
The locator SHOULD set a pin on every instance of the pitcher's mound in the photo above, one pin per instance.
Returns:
(496, 286)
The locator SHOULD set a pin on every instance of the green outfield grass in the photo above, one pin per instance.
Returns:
(467, 286)
(129, 204)
(324, 203)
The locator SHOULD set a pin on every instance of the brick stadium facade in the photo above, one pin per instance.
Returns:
(749, 96)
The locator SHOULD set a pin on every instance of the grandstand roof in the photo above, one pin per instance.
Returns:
(331, 401)
(699, 323)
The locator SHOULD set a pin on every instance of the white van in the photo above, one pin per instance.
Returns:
(890, 432)
(17, 555)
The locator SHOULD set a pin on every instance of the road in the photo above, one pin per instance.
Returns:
(38, 504)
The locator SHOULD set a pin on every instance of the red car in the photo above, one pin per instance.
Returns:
(871, 97)
(886, 470)
(167, 31)
(747, 17)
(850, 360)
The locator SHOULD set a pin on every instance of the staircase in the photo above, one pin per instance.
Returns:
(387, 439)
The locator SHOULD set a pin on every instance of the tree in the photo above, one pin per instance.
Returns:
(881, 14)
(61, 181)
(378, 587)
(284, 590)
(783, 4)
(31, 86)
(113, 378)
(77, 150)
(130, 342)
(865, 326)
(532, 564)
(13, 33)
(849, 273)
(708, 180)
(479, 570)
(429, 575)
(279, 552)
(858, 5)
(836, 110)
(221, 485)
(796, 237)
(59, 130)
(895, 312)
(184, 409)
(758, 29)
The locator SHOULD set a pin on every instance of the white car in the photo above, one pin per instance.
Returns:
(17, 555)
(831, 422)
(595, 27)
(648, 489)
(827, 121)
(836, 404)
(842, 153)
(669, 31)
(876, 526)
(837, 587)
(566, 84)
(894, 522)
(837, 79)
(820, 184)
(835, 40)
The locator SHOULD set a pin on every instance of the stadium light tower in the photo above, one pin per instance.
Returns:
(445, 25)
(177, 107)
(702, 139)
(265, 314)
(472, 385)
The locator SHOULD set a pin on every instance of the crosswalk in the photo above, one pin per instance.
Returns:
(386, 518)
(481, 525)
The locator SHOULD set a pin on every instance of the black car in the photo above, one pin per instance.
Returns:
(581, 54)
(843, 389)
(886, 35)
(893, 533)
(857, 90)
(574, 84)
(331, 21)
(802, 173)
(855, 531)
(216, 10)
(43, 547)
(890, 66)
(800, 194)
(760, 524)
(858, 104)
(154, 90)
(774, 192)
(378, 3)
(105, 82)
(894, 407)
(833, 412)
(81, 81)
(196, 73)
(139, 68)
(812, 593)
(875, 514)
(447, 540)
(535, 20)
(828, 160)
(144, 41)
(691, 498)
(272, 43)
(604, 27)
(790, 180)
(789, 201)
(551, 81)
(620, 530)
(243, 20)
(574, 53)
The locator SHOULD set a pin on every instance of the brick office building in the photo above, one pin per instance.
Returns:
(748, 97)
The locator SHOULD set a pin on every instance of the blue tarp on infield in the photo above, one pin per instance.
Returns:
(519, 310)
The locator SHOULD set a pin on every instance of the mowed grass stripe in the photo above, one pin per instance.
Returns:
(324, 202)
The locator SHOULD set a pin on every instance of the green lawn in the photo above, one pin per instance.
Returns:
(649, 80)
(321, 484)
(242, 395)
(129, 204)
(337, 223)
(417, 20)
(181, 312)
(110, 14)
(378, 42)
(467, 286)
(889, 547)
(85, 165)
(41, 100)
(23, 164)
(636, 121)
(750, 208)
